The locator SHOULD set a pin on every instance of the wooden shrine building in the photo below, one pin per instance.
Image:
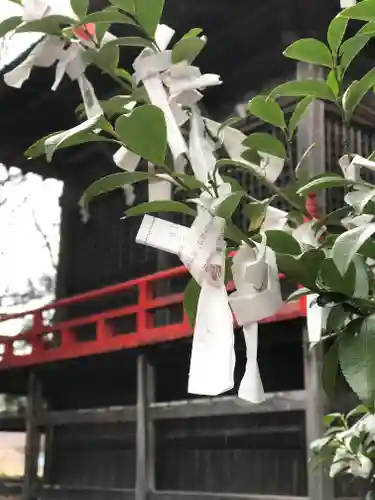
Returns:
(109, 392)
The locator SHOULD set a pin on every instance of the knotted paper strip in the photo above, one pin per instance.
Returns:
(316, 319)
(258, 296)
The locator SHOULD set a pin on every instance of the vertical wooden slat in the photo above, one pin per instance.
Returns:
(145, 447)
(32, 448)
(311, 130)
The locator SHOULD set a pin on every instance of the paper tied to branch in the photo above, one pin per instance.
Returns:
(201, 149)
(316, 317)
(160, 187)
(257, 297)
(275, 219)
(351, 167)
(35, 9)
(43, 55)
(308, 233)
(270, 167)
(347, 3)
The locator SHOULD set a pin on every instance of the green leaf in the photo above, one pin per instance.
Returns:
(59, 140)
(336, 32)
(298, 294)
(265, 143)
(149, 14)
(301, 88)
(9, 24)
(310, 50)
(131, 41)
(303, 269)
(144, 132)
(332, 417)
(50, 25)
(187, 49)
(298, 113)
(348, 244)
(267, 110)
(363, 11)
(282, 242)
(110, 183)
(79, 7)
(38, 148)
(357, 91)
(229, 122)
(331, 280)
(325, 181)
(350, 49)
(160, 206)
(256, 212)
(191, 297)
(110, 15)
(126, 5)
(330, 369)
(227, 208)
(357, 357)
(106, 58)
(194, 32)
(190, 181)
(333, 82)
(359, 410)
(336, 319)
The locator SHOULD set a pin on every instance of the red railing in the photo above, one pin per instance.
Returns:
(106, 336)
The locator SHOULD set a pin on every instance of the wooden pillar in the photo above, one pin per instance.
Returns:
(32, 448)
(145, 445)
(312, 130)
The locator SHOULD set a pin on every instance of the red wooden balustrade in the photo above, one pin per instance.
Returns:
(107, 337)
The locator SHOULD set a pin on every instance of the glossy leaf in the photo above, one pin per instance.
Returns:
(310, 50)
(282, 242)
(227, 208)
(126, 5)
(9, 24)
(110, 15)
(80, 7)
(106, 58)
(331, 280)
(194, 32)
(265, 143)
(298, 294)
(111, 183)
(191, 297)
(301, 88)
(325, 181)
(336, 32)
(363, 11)
(187, 49)
(267, 110)
(56, 141)
(350, 49)
(131, 41)
(256, 212)
(357, 91)
(303, 269)
(144, 132)
(149, 14)
(160, 206)
(348, 244)
(357, 357)
(330, 369)
(50, 25)
(298, 113)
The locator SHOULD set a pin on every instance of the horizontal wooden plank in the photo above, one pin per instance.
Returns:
(10, 422)
(184, 495)
(90, 416)
(230, 405)
(69, 487)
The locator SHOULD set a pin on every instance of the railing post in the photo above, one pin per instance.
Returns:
(32, 448)
(312, 131)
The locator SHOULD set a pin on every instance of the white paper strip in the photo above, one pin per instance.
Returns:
(44, 55)
(251, 387)
(201, 154)
(161, 234)
(71, 62)
(90, 101)
(126, 160)
(271, 166)
(316, 318)
(307, 234)
(347, 3)
(34, 9)
(158, 189)
(275, 219)
(213, 356)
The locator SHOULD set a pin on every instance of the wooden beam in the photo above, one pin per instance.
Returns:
(189, 495)
(320, 486)
(90, 416)
(32, 449)
(312, 131)
(144, 447)
(231, 405)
